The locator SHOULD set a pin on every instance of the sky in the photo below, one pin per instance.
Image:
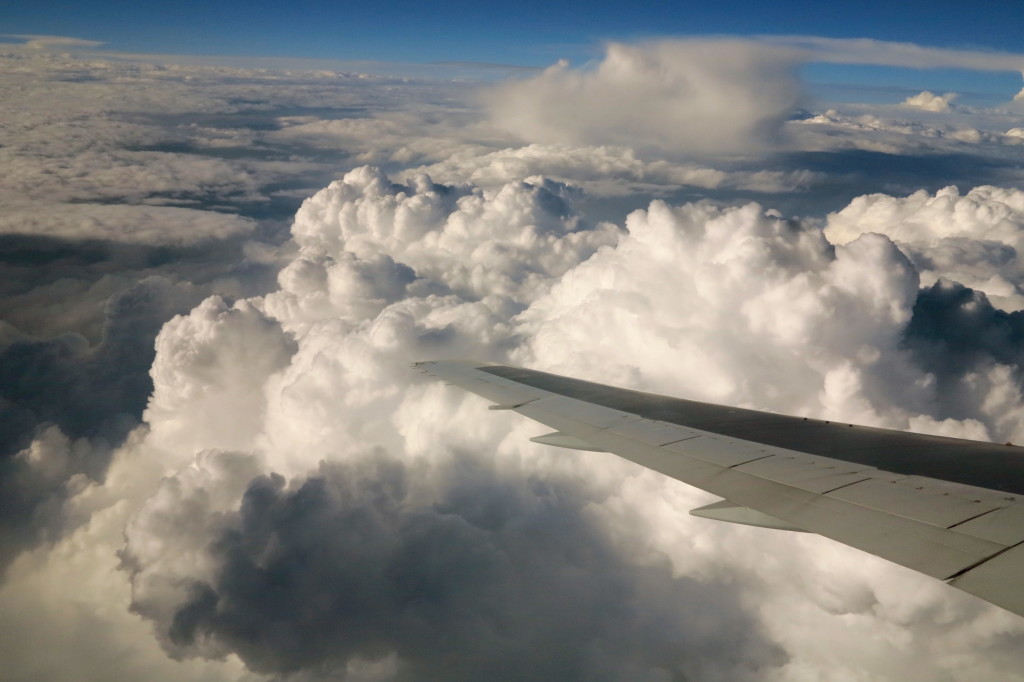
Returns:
(530, 34)
(228, 230)
(526, 33)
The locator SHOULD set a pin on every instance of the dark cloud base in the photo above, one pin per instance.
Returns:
(82, 362)
(94, 394)
(503, 577)
(955, 332)
(846, 174)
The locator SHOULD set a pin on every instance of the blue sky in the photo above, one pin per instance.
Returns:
(528, 33)
(536, 34)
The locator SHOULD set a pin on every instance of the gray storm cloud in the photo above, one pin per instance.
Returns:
(500, 576)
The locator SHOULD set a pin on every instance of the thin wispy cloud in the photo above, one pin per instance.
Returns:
(888, 53)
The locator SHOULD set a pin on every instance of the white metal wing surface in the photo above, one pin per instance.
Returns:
(949, 508)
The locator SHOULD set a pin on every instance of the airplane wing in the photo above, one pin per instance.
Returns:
(949, 508)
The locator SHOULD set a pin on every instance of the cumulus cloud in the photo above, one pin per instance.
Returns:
(901, 136)
(65, 404)
(440, 238)
(929, 101)
(827, 318)
(297, 503)
(701, 97)
(300, 504)
(454, 557)
(973, 238)
(824, 332)
(90, 268)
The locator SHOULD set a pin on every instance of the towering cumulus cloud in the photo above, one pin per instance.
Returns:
(217, 465)
(328, 514)
(419, 547)
(684, 96)
(973, 238)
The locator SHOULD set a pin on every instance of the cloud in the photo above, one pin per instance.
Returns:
(43, 42)
(90, 270)
(300, 504)
(827, 318)
(929, 101)
(605, 171)
(824, 333)
(974, 238)
(133, 191)
(440, 560)
(67, 404)
(448, 239)
(497, 576)
(889, 53)
(215, 355)
(700, 97)
(297, 503)
(148, 225)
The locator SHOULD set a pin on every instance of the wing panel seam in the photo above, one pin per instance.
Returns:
(975, 565)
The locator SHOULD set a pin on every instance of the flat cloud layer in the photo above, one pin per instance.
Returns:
(218, 475)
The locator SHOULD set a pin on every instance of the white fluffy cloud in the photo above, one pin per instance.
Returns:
(299, 503)
(974, 238)
(368, 239)
(690, 96)
(826, 324)
(226, 380)
(929, 101)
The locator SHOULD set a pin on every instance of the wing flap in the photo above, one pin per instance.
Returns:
(1004, 526)
(807, 472)
(991, 579)
(714, 450)
(655, 432)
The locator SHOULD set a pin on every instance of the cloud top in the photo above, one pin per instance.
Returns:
(929, 101)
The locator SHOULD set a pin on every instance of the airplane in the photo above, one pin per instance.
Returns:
(950, 508)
